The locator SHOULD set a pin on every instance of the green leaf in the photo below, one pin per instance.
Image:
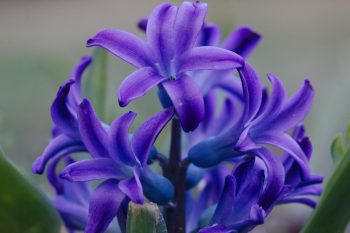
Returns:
(23, 208)
(333, 211)
(145, 218)
(337, 149)
(95, 84)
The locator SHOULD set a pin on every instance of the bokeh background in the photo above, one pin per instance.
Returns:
(41, 40)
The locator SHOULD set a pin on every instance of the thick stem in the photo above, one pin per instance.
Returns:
(175, 171)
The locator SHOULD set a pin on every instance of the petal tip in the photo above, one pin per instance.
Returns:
(37, 166)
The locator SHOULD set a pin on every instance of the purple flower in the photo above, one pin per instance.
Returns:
(71, 200)
(66, 137)
(120, 161)
(115, 156)
(264, 120)
(166, 59)
(258, 184)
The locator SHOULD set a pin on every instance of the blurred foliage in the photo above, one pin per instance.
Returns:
(95, 85)
(23, 207)
(333, 211)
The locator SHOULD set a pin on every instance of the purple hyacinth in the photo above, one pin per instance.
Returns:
(243, 204)
(227, 177)
(121, 161)
(264, 120)
(167, 57)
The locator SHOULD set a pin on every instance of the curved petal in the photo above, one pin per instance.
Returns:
(209, 58)
(133, 188)
(289, 145)
(52, 177)
(295, 109)
(275, 101)
(160, 34)
(92, 132)
(187, 100)
(188, 23)
(61, 115)
(58, 146)
(93, 169)
(125, 45)
(145, 136)
(252, 91)
(104, 206)
(138, 84)
(77, 75)
(242, 41)
(275, 178)
(119, 144)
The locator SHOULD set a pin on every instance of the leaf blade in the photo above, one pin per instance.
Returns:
(23, 207)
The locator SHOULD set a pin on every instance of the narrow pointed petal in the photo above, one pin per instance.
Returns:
(145, 136)
(92, 169)
(138, 84)
(92, 132)
(252, 91)
(52, 177)
(160, 33)
(133, 188)
(119, 144)
(275, 178)
(57, 147)
(289, 145)
(189, 21)
(187, 100)
(104, 206)
(275, 101)
(242, 41)
(156, 188)
(295, 109)
(209, 58)
(77, 75)
(61, 114)
(125, 45)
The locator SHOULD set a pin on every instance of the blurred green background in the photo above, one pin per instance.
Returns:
(41, 40)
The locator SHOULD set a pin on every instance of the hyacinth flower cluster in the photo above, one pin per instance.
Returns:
(229, 164)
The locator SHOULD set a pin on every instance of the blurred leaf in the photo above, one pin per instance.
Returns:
(23, 208)
(95, 85)
(145, 218)
(337, 149)
(333, 211)
(348, 135)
